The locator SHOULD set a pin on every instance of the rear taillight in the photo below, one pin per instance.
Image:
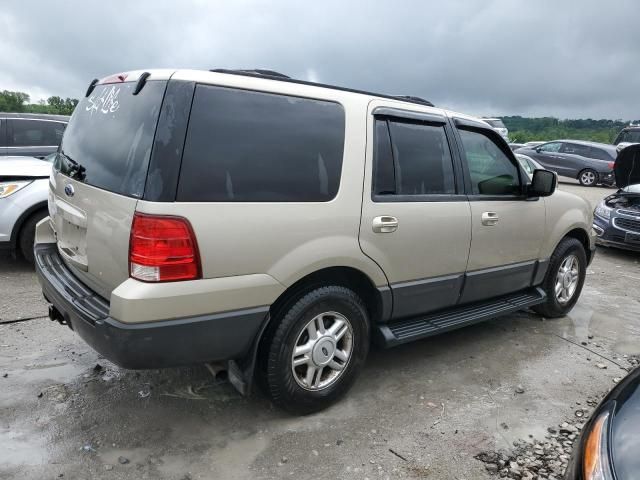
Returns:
(611, 165)
(162, 249)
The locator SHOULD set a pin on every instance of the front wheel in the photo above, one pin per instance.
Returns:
(316, 350)
(588, 178)
(564, 279)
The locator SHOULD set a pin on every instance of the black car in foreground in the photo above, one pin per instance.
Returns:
(616, 219)
(609, 445)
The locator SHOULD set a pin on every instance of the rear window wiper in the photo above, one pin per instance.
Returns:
(76, 170)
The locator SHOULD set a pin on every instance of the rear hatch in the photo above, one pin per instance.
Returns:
(99, 174)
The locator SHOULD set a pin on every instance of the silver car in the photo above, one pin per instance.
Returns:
(23, 202)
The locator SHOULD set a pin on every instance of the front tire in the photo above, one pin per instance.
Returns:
(588, 178)
(316, 350)
(564, 279)
(27, 235)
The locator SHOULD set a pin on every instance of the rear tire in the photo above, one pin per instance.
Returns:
(27, 235)
(588, 177)
(316, 349)
(564, 279)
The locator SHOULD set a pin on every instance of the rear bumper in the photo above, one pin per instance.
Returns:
(165, 343)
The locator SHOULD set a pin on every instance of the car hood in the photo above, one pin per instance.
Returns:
(24, 167)
(627, 166)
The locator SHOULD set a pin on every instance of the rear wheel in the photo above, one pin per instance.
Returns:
(27, 235)
(564, 279)
(316, 350)
(588, 178)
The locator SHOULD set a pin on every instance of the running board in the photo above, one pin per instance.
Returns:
(407, 330)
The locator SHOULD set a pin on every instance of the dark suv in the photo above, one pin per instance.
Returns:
(590, 163)
(627, 136)
(29, 134)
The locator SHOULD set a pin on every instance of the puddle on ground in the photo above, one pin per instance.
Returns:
(20, 448)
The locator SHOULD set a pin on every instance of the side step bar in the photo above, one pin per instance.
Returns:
(409, 329)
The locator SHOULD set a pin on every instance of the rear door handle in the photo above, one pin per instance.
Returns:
(490, 218)
(385, 224)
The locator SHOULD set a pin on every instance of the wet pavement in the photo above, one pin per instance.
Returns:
(422, 410)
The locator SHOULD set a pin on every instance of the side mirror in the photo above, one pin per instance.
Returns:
(537, 149)
(542, 184)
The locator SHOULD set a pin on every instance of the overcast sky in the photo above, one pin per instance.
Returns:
(569, 59)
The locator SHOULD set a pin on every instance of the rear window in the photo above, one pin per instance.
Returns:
(110, 136)
(245, 146)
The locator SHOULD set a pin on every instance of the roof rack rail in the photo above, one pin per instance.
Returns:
(253, 71)
(415, 99)
(285, 78)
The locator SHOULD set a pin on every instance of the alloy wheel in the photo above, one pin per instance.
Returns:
(322, 351)
(567, 279)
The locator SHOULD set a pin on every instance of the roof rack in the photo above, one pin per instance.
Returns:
(263, 73)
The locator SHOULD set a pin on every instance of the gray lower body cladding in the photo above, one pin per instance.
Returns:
(169, 343)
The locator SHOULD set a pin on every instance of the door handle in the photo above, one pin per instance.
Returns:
(490, 218)
(385, 224)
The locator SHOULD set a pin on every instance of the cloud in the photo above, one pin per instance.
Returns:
(566, 59)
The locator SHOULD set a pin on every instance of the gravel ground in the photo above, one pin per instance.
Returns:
(446, 407)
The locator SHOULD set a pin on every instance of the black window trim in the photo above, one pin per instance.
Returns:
(474, 126)
(409, 116)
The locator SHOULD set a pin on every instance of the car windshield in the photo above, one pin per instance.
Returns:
(495, 123)
(629, 136)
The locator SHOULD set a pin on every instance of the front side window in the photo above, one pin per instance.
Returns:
(412, 158)
(36, 133)
(246, 146)
(630, 136)
(492, 172)
(553, 147)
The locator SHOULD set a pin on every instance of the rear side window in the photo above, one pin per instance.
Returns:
(575, 149)
(492, 171)
(245, 146)
(412, 159)
(600, 154)
(35, 133)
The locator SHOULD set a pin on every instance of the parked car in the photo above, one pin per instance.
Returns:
(533, 144)
(608, 446)
(30, 134)
(498, 126)
(528, 164)
(515, 146)
(617, 217)
(627, 136)
(589, 162)
(23, 202)
(220, 216)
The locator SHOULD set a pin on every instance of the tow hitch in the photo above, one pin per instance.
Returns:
(56, 316)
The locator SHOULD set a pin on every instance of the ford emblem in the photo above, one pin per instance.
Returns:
(69, 190)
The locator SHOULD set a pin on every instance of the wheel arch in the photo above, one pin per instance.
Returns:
(22, 219)
(583, 237)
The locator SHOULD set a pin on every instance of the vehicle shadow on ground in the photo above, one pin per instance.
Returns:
(14, 264)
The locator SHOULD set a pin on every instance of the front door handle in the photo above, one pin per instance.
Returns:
(385, 224)
(490, 218)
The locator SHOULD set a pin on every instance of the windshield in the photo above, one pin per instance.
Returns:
(496, 123)
(109, 138)
(630, 136)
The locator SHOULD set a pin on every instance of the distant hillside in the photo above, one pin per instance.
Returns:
(522, 129)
